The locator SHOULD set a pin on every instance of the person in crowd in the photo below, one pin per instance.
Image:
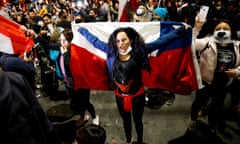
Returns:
(79, 98)
(90, 15)
(126, 57)
(35, 21)
(23, 66)
(114, 7)
(49, 82)
(187, 12)
(43, 10)
(21, 19)
(91, 134)
(219, 10)
(219, 62)
(104, 10)
(53, 12)
(151, 5)
(172, 10)
(63, 19)
(142, 14)
(48, 26)
(232, 12)
(23, 120)
(77, 18)
(159, 14)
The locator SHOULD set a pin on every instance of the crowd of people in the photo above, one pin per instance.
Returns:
(215, 37)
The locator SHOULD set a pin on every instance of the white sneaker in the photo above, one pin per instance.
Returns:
(96, 120)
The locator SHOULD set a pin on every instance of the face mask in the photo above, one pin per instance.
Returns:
(126, 52)
(218, 7)
(222, 36)
(139, 12)
(238, 34)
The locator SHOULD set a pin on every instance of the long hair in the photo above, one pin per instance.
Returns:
(209, 27)
(138, 45)
(68, 34)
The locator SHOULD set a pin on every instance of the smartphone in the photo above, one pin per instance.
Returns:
(203, 13)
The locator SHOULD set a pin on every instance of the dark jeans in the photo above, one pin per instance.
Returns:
(80, 102)
(138, 103)
(217, 92)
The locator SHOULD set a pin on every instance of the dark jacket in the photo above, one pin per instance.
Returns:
(23, 120)
(16, 64)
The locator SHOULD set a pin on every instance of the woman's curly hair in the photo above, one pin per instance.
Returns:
(139, 49)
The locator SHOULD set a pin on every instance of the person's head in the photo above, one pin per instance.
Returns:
(43, 5)
(141, 10)
(101, 2)
(124, 40)
(62, 14)
(170, 3)
(160, 13)
(77, 17)
(93, 12)
(47, 19)
(91, 134)
(232, 7)
(224, 31)
(66, 37)
(31, 13)
(211, 27)
(219, 4)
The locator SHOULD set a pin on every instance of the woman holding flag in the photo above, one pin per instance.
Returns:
(60, 54)
(127, 56)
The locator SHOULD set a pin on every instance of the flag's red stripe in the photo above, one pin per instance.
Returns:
(89, 70)
(172, 70)
(124, 15)
(20, 42)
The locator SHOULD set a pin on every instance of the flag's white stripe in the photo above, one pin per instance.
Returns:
(149, 31)
(80, 41)
(6, 44)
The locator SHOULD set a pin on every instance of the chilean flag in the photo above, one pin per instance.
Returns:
(173, 67)
(12, 38)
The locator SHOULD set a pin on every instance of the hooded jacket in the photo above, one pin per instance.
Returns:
(208, 58)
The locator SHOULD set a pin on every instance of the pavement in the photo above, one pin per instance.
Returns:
(163, 124)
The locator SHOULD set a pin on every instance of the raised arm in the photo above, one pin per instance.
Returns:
(167, 38)
(95, 41)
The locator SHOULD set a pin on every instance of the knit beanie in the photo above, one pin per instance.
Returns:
(162, 12)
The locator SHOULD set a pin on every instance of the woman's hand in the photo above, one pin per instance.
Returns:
(63, 49)
(198, 23)
(233, 73)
